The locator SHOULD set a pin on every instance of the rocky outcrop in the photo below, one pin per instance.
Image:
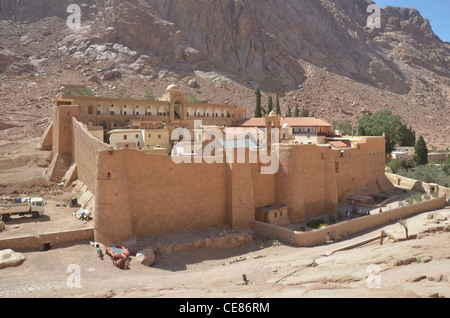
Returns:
(13, 65)
(10, 258)
(34, 10)
(261, 43)
(317, 54)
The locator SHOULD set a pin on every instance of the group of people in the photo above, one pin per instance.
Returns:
(365, 212)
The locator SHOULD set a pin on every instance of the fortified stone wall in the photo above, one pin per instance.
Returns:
(360, 167)
(85, 153)
(306, 181)
(137, 194)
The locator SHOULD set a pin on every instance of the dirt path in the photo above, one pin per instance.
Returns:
(272, 269)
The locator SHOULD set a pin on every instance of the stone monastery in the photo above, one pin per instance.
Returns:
(122, 151)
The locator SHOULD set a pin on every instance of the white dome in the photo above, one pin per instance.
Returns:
(286, 125)
(172, 88)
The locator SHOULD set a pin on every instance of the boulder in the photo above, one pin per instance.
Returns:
(146, 257)
(2, 226)
(95, 79)
(193, 83)
(10, 258)
(192, 55)
(109, 75)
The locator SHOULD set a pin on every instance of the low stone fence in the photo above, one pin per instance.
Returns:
(415, 185)
(343, 229)
(47, 240)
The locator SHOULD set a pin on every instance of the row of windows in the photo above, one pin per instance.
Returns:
(154, 111)
(125, 137)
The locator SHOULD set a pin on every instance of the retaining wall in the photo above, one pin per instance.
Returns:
(317, 237)
(413, 184)
(36, 242)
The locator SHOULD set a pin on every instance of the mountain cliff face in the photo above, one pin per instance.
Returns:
(261, 42)
(280, 46)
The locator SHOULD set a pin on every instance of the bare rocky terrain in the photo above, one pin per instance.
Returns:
(317, 54)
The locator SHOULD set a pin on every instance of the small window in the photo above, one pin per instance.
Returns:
(125, 137)
(159, 136)
(149, 135)
(137, 136)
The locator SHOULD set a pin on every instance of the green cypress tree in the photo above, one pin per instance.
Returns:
(296, 112)
(289, 112)
(270, 105)
(421, 152)
(258, 111)
(278, 106)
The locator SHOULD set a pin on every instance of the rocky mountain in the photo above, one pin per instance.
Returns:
(318, 54)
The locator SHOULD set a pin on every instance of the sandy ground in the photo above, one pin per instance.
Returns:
(415, 268)
(273, 270)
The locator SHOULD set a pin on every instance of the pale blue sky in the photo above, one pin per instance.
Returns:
(437, 11)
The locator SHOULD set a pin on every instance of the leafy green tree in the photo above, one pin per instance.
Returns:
(395, 165)
(192, 98)
(304, 112)
(344, 126)
(383, 122)
(258, 110)
(148, 94)
(77, 91)
(421, 152)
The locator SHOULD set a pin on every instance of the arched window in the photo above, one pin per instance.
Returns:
(102, 109)
(163, 111)
(191, 112)
(114, 109)
(200, 112)
(152, 111)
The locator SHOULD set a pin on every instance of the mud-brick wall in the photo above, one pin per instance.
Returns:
(166, 197)
(306, 182)
(361, 166)
(85, 152)
(140, 194)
